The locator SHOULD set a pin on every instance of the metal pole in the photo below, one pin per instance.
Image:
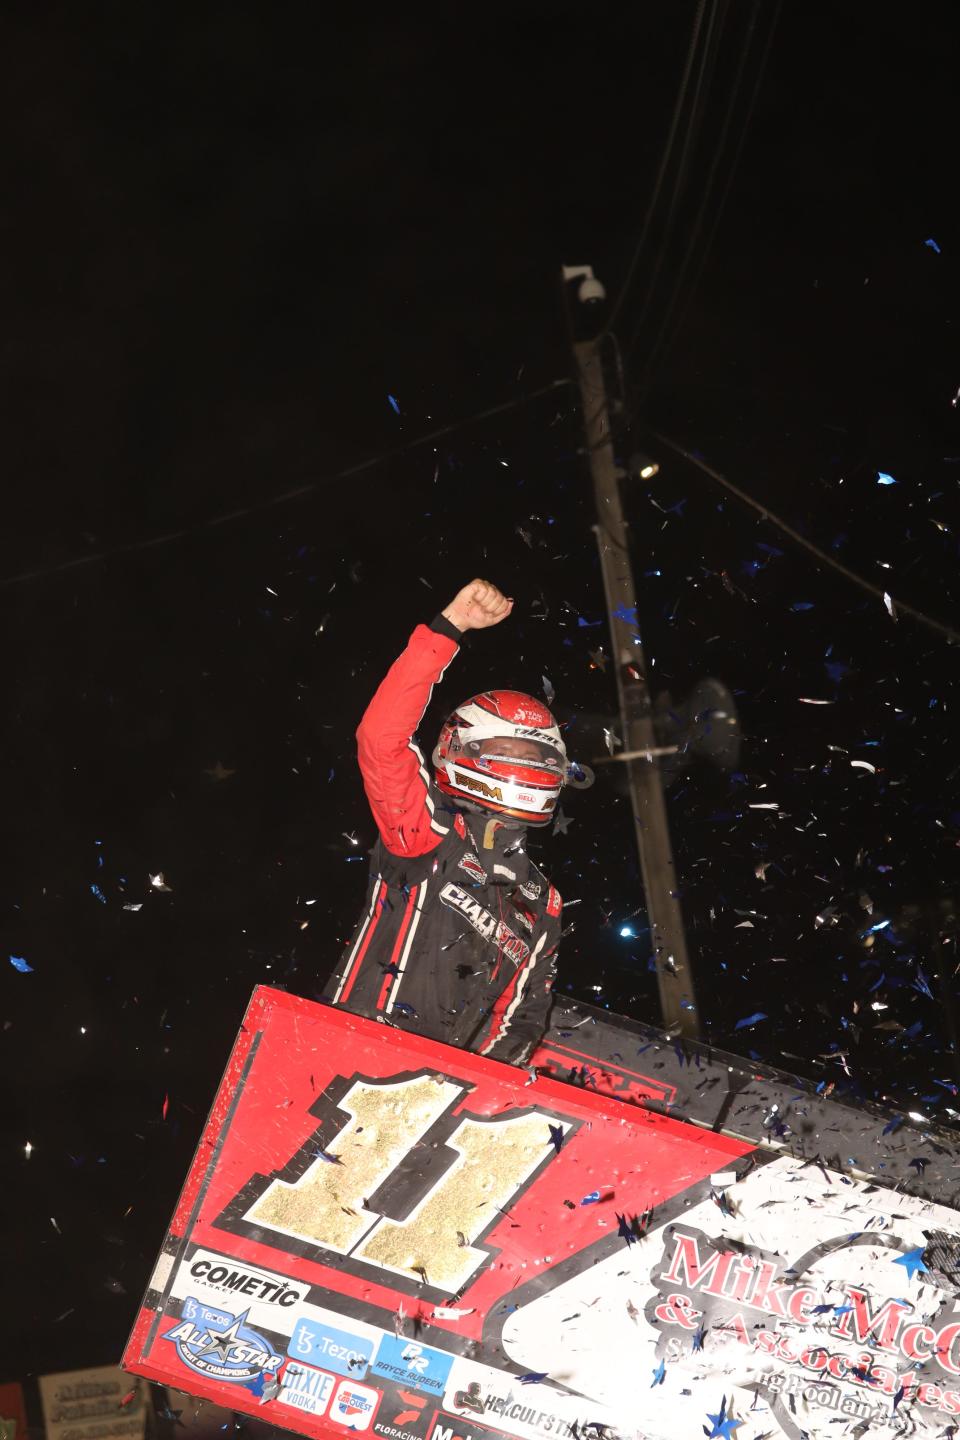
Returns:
(674, 974)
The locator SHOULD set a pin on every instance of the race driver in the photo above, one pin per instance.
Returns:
(459, 935)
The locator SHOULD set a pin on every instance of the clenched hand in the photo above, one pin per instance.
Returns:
(477, 606)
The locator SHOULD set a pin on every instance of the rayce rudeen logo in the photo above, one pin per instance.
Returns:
(846, 1335)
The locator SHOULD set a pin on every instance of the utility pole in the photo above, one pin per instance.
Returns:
(674, 973)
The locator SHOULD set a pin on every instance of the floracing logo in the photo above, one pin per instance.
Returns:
(220, 1345)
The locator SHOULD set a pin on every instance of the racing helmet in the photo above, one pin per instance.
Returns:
(479, 778)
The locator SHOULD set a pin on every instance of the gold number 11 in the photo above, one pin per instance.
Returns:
(328, 1204)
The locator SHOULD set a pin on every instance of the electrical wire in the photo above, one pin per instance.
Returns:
(706, 67)
(705, 198)
(664, 162)
(765, 513)
(268, 502)
(661, 346)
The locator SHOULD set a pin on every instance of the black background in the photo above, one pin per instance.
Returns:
(229, 234)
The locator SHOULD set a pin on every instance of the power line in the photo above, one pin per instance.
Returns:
(705, 197)
(664, 160)
(659, 344)
(300, 492)
(705, 69)
(946, 631)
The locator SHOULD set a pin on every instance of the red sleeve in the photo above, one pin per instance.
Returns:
(394, 773)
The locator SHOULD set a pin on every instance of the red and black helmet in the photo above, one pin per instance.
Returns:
(519, 788)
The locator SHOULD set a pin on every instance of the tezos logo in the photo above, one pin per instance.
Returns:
(222, 1346)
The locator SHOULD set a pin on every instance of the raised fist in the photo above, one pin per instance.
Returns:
(478, 605)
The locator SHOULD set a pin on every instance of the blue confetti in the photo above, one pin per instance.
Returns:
(18, 963)
(884, 479)
(658, 1375)
(533, 1377)
(556, 1137)
(394, 403)
(802, 605)
(723, 1424)
(750, 1020)
(591, 1199)
(931, 244)
(98, 894)
(626, 613)
(912, 1262)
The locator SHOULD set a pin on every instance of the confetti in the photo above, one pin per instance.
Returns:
(18, 963)
(912, 1262)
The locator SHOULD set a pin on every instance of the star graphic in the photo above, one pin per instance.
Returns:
(723, 1424)
(561, 823)
(221, 1342)
(219, 772)
(599, 659)
(912, 1262)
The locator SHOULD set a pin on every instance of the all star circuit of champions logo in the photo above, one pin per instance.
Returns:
(828, 1340)
(220, 1345)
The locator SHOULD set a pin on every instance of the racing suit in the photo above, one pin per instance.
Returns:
(459, 934)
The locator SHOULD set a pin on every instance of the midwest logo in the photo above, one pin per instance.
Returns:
(703, 1288)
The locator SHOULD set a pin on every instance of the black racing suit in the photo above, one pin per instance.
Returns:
(458, 938)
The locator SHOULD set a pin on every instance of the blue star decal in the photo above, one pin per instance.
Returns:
(912, 1262)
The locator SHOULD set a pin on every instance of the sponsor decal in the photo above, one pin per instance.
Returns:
(337, 1350)
(471, 864)
(474, 782)
(413, 1364)
(530, 890)
(225, 1278)
(554, 902)
(409, 1407)
(304, 1388)
(460, 825)
(220, 1345)
(858, 1339)
(484, 923)
(447, 1427)
(523, 918)
(354, 1405)
(470, 1398)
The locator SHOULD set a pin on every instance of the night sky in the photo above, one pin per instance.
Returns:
(230, 235)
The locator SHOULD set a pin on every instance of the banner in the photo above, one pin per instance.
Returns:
(13, 1413)
(98, 1404)
(380, 1233)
